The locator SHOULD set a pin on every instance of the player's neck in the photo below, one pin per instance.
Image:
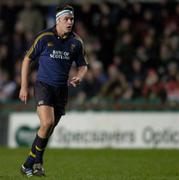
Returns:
(62, 34)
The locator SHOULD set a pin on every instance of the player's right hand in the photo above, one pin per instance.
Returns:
(75, 81)
(23, 95)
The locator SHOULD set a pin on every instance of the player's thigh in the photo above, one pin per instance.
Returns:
(60, 102)
(43, 94)
(46, 114)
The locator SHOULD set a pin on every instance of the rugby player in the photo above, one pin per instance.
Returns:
(56, 49)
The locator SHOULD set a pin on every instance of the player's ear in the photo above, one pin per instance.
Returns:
(58, 20)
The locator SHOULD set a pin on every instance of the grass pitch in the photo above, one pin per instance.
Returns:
(105, 164)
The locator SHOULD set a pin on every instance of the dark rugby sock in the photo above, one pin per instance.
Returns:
(40, 146)
(32, 155)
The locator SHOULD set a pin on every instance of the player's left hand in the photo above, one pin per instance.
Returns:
(75, 81)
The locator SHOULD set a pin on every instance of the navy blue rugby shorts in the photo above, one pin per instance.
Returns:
(51, 96)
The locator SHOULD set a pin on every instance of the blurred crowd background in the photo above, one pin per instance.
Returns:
(132, 49)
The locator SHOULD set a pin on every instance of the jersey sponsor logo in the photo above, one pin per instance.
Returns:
(60, 55)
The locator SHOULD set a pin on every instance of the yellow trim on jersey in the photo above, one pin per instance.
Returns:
(77, 37)
(32, 154)
(29, 52)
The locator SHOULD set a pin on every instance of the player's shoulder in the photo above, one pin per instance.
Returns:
(44, 33)
(77, 38)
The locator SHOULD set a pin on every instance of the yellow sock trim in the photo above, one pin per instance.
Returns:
(38, 149)
(32, 154)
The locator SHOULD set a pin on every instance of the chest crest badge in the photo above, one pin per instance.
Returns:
(49, 44)
(72, 48)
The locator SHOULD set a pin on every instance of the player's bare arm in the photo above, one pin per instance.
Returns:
(23, 95)
(78, 78)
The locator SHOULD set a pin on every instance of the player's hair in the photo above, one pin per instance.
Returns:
(64, 6)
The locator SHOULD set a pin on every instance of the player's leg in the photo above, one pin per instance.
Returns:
(60, 101)
(27, 166)
(61, 97)
(43, 94)
(57, 119)
(47, 120)
(35, 158)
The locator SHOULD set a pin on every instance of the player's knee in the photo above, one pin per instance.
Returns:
(47, 125)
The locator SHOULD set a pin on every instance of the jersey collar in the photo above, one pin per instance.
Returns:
(64, 38)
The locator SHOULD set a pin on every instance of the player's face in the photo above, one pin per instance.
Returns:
(65, 23)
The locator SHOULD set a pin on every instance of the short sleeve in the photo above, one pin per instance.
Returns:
(36, 48)
(81, 59)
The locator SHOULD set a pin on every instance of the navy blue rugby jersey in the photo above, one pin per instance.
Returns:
(56, 56)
